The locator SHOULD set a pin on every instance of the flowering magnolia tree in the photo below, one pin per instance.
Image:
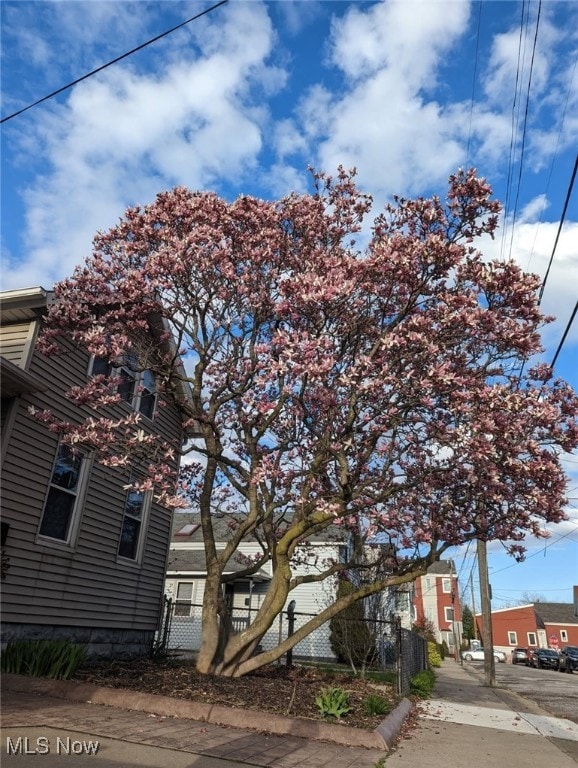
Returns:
(375, 389)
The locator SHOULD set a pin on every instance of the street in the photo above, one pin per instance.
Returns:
(555, 692)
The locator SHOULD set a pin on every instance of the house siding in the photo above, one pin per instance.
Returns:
(50, 589)
(16, 342)
(527, 623)
(430, 603)
(309, 599)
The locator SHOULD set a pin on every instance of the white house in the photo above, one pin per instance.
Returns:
(186, 574)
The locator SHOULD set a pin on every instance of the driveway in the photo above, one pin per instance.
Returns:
(555, 692)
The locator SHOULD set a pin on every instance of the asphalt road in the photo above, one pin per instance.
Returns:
(556, 692)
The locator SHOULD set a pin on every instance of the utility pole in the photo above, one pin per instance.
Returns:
(473, 605)
(457, 656)
(485, 598)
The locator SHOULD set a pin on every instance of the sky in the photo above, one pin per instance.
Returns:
(244, 99)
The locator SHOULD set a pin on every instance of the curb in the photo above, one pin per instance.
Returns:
(383, 737)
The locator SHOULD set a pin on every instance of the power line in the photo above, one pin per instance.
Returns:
(114, 61)
(568, 92)
(563, 339)
(562, 219)
(474, 84)
(524, 128)
(540, 552)
(513, 128)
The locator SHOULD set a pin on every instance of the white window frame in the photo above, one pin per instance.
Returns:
(512, 634)
(563, 636)
(78, 494)
(184, 602)
(139, 389)
(449, 618)
(143, 526)
(446, 586)
(532, 639)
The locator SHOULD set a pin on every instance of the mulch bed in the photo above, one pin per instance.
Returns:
(276, 689)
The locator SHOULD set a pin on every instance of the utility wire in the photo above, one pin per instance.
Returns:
(563, 339)
(513, 132)
(554, 158)
(114, 61)
(539, 552)
(474, 83)
(562, 219)
(524, 127)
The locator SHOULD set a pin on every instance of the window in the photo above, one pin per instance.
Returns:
(449, 613)
(183, 603)
(446, 586)
(62, 503)
(532, 638)
(401, 600)
(513, 638)
(563, 636)
(135, 387)
(133, 524)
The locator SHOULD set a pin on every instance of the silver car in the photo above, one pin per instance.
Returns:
(478, 655)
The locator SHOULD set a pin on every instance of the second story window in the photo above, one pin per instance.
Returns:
(133, 525)
(136, 387)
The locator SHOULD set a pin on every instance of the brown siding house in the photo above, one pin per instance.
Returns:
(86, 558)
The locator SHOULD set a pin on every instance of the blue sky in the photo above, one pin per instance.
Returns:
(244, 99)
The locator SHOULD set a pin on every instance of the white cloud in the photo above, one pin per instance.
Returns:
(123, 137)
(404, 37)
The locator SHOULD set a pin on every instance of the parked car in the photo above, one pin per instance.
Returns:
(568, 658)
(520, 656)
(545, 658)
(478, 655)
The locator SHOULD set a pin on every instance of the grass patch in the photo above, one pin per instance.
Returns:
(422, 684)
(58, 659)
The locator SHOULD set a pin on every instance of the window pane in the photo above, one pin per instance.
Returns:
(66, 469)
(134, 504)
(147, 380)
(101, 367)
(57, 514)
(126, 385)
(129, 538)
(147, 404)
(185, 590)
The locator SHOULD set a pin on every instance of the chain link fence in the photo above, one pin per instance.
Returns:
(391, 647)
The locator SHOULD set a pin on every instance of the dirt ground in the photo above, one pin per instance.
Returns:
(275, 689)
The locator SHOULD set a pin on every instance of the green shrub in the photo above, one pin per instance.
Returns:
(374, 704)
(351, 638)
(423, 683)
(332, 702)
(43, 658)
(445, 651)
(433, 655)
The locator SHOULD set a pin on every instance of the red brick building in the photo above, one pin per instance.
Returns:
(536, 625)
(436, 601)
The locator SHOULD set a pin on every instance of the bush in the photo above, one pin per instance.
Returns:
(351, 639)
(423, 683)
(332, 702)
(445, 650)
(43, 658)
(374, 704)
(433, 655)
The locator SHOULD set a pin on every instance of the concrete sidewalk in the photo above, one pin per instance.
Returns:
(465, 723)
